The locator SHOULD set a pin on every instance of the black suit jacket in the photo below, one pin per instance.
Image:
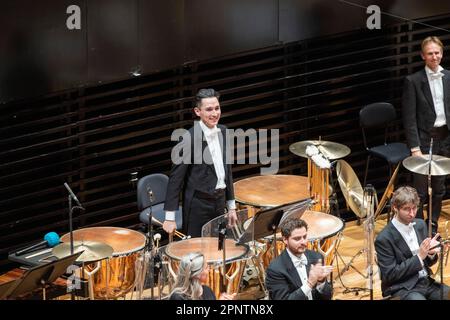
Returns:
(418, 107)
(399, 268)
(196, 172)
(283, 281)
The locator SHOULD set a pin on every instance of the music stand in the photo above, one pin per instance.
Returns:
(266, 222)
(40, 276)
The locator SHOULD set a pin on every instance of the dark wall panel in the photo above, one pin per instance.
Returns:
(161, 34)
(215, 28)
(307, 19)
(113, 46)
(38, 53)
(119, 38)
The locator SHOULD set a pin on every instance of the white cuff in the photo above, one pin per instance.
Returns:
(170, 215)
(420, 259)
(306, 289)
(231, 204)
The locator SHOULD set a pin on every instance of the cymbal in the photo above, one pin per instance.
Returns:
(440, 166)
(331, 150)
(351, 187)
(93, 251)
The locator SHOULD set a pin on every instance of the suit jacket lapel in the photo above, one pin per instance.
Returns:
(290, 268)
(207, 157)
(223, 143)
(309, 257)
(419, 234)
(446, 88)
(401, 243)
(427, 91)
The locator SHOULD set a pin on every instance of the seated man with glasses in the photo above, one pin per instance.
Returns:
(405, 252)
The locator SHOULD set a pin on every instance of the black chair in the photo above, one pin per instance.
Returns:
(375, 116)
(157, 184)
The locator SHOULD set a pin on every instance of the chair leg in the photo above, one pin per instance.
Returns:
(366, 171)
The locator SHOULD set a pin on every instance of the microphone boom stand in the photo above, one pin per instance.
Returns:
(71, 197)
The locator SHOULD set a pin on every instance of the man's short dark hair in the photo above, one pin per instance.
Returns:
(205, 93)
(291, 224)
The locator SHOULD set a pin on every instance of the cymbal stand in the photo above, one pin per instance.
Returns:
(430, 192)
(387, 193)
(369, 225)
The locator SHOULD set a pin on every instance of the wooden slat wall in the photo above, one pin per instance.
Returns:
(93, 138)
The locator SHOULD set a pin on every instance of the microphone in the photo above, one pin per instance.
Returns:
(51, 239)
(222, 233)
(74, 197)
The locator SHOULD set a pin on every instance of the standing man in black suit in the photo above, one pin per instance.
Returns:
(405, 254)
(298, 273)
(202, 172)
(426, 115)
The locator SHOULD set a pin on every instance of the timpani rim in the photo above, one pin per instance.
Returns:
(268, 206)
(119, 253)
(331, 234)
(242, 256)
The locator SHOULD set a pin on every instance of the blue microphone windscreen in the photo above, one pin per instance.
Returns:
(52, 239)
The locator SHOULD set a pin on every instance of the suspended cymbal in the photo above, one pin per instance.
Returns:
(351, 187)
(440, 166)
(93, 251)
(331, 150)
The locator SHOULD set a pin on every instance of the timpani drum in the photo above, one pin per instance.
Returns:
(323, 233)
(116, 276)
(236, 256)
(270, 191)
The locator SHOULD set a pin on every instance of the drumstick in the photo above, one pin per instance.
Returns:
(177, 233)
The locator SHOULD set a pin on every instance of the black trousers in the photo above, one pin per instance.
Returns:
(425, 289)
(203, 210)
(441, 146)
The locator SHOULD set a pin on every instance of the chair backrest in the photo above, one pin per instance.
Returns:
(157, 183)
(378, 114)
(374, 116)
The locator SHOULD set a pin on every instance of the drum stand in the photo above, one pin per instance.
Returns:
(222, 246)
(149, 254)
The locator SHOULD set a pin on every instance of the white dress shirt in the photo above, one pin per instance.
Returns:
(300, 264)
(212, 138)
(409, 235)
(437, 93)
